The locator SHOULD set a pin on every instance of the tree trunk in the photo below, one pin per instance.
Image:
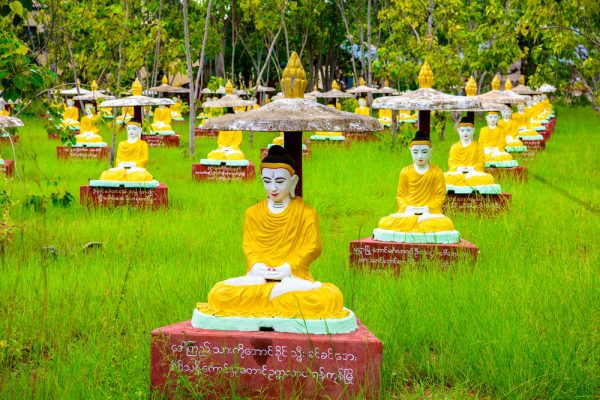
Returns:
(157, 48)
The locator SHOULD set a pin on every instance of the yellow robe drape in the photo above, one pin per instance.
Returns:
(470, 156)
(163, 116)
(137, 152)
(494, 138)
(509, 128)
(232, 139)
(362, 111)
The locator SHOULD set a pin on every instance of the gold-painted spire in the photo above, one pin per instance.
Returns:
(293, 80)
(335, 86)
(78, 82)
(228, 88)
(136, 88)
(522, 80)
(165, 81)
(362, 82)
(315, 88)
(496, 82)
(508, 84)
(94, 86)
(386, 83)
(426, 77)
(471, 88)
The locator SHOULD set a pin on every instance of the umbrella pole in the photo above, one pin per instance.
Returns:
(292, 143)
(425, 121)
(113, 138)
(394, 125)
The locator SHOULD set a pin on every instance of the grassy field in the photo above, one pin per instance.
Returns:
(523, 323)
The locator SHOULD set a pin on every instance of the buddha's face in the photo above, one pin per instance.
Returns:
(362, 103)
(70, 103)
(134, 132)
(506, 114)
(421, 154)
(521, 107)
(466, 132)
(492, 119)
(88, 112)
(279, 183)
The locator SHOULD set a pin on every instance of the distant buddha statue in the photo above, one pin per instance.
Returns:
(228, 142)
(385, 116)
(362, 108)
(176, 110)
(509, 129)
(493, 140)
(281, 238)
(132, 158)
(3, 110)
(161, 121)
(70, 115)
(421, 194)
(88, 130)
(406, 117)
(126, 115)
(466, 162)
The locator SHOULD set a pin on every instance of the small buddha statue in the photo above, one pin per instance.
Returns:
(466, 162)
(362, 108)
(510, 131)
(228, 143)
(3, 110)
(126, 115)
(70, 115)
(132, 158)
(161, 121)
(492, 138)
(281, 237)
(421, 194)
(385, 116)
(176, 110)
(88, 129)
(522, 121)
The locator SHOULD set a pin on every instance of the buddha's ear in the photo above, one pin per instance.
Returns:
(295, 179)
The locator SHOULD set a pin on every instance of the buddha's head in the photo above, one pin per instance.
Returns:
(506, 113)
(521, 107)
(134, 132)
(492, 118)
(70, 103)
(278, 173)
(420, 149)
(362, 103)
(88, 111)
(466, 130)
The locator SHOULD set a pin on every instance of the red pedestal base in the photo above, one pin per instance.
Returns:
(305, 153)
(519, 173)
(534, 144)
(82, 153)
(6, 139)
(199, 132)
(116, 197)
(266, 365)
(362, 137)
(372, 254)
(545, 133)
(53, 136)
(477, 203)
(162, 140)
(8, 168)
(222, 172)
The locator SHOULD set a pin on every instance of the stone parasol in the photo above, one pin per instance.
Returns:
(425, 99)
(10, 122)
(94, 94)
(136, 100)
(546, 88)
(206, 91)
(293, 115)
(166, 88)
(361, 89)
(522, 89)
(75, 91)
(386, 89)
(229, 100)
(263, 89)
(500, 96)
(334, 93)
(314, 92)
(221, 91)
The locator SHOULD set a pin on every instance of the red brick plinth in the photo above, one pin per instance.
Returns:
(482, 204)
(534, 144)
(305, 153)
(372, 254)
(82, 153)
(53, 136)
(162, 140)
(266, 365)
(6, 139)
(362, 137)
(199, 132)
(518, 173)
(545, 133)
(8, 168)
(202, 172)
(116, 197)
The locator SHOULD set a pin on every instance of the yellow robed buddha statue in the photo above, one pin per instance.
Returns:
(228, 142)
(281, 238)
(466, 162)
(421, 194)
(362, 108)
(510, 131)
(176, 110)
(161, 121)
(70, 115)
(385, 116)
(132, 158)
(3, 110)
(493, 140)
(88, 130)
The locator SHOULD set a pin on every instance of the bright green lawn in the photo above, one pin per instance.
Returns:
(524, 323)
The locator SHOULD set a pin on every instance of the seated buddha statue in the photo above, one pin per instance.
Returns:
(492, 138)
(421, 194)
(88, 130)
(106, 113)
(385, 116)
(161, 120)
(523, 123)
(510, 131)
(405, 116)
(126, 115)
(228, 143)
(362, 108)
(466, 162)
(132, 158)
(281, 237)
(70, 115)
(176, 110)
(3, 110)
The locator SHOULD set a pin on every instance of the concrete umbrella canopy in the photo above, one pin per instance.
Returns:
(164, 87)
(500, 96)
(75, 91)
(425, 99)
(522, 89)
(229, 100)
(294, 114)
(10, 122)
(361, 89)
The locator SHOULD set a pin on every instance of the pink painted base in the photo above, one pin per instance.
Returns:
(483, 204)
(534, 144)
(267, 365)
(8, 169)
(519, 173)
(118, 197)
(372, 254)
(82, 153)
(162, 140)
(222, 172)
(199, 132)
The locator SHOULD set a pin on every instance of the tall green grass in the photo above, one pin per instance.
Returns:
(523, 323)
